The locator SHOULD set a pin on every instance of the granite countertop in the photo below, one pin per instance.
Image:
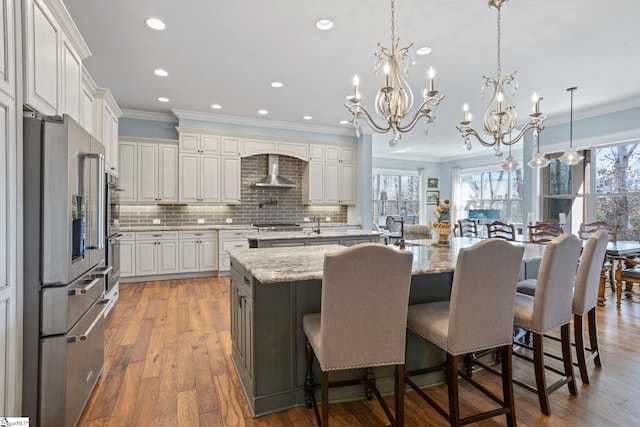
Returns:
(300, 263)
(288, 235)
(159, 227)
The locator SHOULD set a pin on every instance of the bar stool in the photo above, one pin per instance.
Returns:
(585, 299)
(462, 325)
(362, 321)
(548, 309)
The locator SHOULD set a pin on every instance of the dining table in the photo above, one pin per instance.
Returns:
(616, 252)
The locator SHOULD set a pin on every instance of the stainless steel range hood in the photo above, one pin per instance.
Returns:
(273, 179)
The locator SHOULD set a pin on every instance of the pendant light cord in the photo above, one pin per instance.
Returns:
(571, 89)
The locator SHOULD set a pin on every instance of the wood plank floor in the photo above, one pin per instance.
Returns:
(167, 363)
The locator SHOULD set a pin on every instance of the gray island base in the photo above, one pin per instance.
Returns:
(273, 288)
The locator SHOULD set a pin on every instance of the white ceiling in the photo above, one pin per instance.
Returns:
(228, 52)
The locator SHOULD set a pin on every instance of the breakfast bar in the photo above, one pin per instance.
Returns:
(273, 288)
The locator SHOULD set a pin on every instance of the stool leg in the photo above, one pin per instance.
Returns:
(325, 398)
(452, 384)
(565, 335)
(578, 332)
(309, 385)
(593, 336)
(370, 383)
(541, 381)
(399, 395)
(507, 383)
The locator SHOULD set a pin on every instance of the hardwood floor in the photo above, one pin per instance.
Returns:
(167, 363)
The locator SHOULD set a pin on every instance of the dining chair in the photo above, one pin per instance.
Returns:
(501, 230)
(549, 309)
(468, 228)
(543, 232)
(362, 321)
(586, 230)
(627, 274)
(585, 299)
(461, 325)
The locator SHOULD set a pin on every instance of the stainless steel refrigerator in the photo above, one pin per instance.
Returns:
(64, 269)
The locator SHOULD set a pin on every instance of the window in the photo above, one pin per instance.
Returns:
(395, 194)
(492, 194)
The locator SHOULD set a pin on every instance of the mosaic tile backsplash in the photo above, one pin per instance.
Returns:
(258, 204)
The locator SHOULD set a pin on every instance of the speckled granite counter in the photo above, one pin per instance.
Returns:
(267, 239)
(131, 229)
(273, 288)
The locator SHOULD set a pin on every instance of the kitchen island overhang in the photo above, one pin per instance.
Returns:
(273, 288)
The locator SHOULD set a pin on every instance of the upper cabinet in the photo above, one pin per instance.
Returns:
(105, 124)
(87, 90)
(7, 49)
(53, 54)
(329, 177)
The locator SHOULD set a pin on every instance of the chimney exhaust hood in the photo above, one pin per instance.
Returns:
(273, 179)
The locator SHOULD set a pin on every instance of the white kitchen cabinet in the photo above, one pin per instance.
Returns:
(128, 153)
(105, 119)
(156, 253)
(87, 89)
(198, 251)
(230, 239)
(329, 177)
(157, 177)
(231, 180)
(128, 255)
(199, 178)
(54, 50)
(313, 183)
(199, 143)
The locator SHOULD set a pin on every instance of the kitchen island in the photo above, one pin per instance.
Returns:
(326, 236)
(273, 288)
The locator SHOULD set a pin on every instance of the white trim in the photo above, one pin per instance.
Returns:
(272, 124)
(144, 139)
(69, 27)
(382, 171)
(147, 115)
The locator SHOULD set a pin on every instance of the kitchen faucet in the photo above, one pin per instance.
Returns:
(400, 242)
(316, 219)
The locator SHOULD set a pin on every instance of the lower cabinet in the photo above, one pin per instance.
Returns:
(198, 251)
(128, 255)
(242, 325)
(230, 239)
(156, 253)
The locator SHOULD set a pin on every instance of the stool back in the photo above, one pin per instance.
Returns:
(585, 295)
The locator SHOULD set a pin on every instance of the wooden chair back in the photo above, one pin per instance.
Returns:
(501, 230)
(544, 232)
(468, 228)
(587, 230)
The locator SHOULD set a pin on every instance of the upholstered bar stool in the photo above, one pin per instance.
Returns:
(478, 317)
(548, 309)
(362, 322)
(585, 299)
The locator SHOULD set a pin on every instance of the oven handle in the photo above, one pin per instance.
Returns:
(83, 337)
(103, 272)
(116, 237)
(84, 289)
(101, 209)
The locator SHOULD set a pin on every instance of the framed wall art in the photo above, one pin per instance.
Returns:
(432, 182)
(432, 197)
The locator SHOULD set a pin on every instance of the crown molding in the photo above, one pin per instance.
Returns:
(264, 123)
(594, 111)
(147, 115)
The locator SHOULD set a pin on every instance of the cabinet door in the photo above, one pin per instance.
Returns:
(209, 179)
(42, 59)
(127, 258)
(167, 173)
(209, 144)
(105, 137)
(86, 109)
(316, 183)
(231, 180)
(208, 255)
(146, 258)
(235, 312)
(246, 335)
(7, 49)
(71, 77)
(114, 144)
(167, 253)
(189, 182)
(331, 182)
(147, 172)
(4, 192)
(230, 146)
(347, 183)
(188, 255)
(189, 143)
(128, 177)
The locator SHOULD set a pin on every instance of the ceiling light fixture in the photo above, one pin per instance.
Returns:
(307, 117)
(163, 99)
(424, 50)
(538, 161)
(324, 24)
(160, 72)
(571, 156)
(500, 117)
(155, 23)
(263, 112)
(394, 99)
(216, 106)
(510, 164)
(276, 84)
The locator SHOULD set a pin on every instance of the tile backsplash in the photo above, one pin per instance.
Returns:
(258, 204)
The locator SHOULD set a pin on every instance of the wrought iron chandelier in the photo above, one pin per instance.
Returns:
(394, 99)
(500, 117)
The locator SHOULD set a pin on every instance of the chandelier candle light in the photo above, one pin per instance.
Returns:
(500, 117)
(394, 99)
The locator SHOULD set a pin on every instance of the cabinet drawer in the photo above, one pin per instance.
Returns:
(235, 244)
(204, 234)
(155, 235)
(237, 234)
(128, 237)
(244, 279)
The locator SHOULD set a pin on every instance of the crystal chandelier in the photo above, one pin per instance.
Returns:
(500, 117)
(394, 99)
(571, 156)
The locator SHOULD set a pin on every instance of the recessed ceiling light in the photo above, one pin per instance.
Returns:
(163, 99)
(216, 106)
(344, 122)
(276, 84)
(155, 23)
(307, 117)
(324, 24)
(160, 72)
(263, 112)
(424, 50)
